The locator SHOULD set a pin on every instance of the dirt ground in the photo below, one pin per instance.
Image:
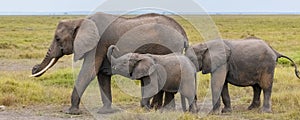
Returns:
(45, 112)
(42, 113)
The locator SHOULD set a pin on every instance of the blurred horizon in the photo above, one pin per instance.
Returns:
(143, 12)
(79, 7)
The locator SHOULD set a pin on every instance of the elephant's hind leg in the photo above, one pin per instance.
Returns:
(169, 102)
(267, 100)
(256, 97)
(266, 85)
(105, 89)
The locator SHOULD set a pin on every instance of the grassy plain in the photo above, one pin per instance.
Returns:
(25, 39)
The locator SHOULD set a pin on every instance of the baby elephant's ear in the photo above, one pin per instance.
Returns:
(141, 67)
(87, 38)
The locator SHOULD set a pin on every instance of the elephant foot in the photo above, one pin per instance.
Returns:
(253, 106)
(146, 107)
(266, 110)
(193, 110)
(166, 109)
(107, 110)
(155, 107)
(169, 107)
(214, 112)
(73, 111)
(226, 110)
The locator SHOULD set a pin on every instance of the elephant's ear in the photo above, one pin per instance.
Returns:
(86, 39)
(216, 55)
(141, 67)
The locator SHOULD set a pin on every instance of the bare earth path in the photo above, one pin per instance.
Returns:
(41, 113)
(46, 112)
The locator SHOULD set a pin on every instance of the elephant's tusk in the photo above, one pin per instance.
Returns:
(45, 69)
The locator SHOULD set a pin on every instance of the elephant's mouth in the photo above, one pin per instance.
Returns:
(130, 74)
(36, 73)
(204, 71)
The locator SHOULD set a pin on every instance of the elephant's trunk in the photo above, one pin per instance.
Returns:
(110, 51)
(49, 60)
(36, 73)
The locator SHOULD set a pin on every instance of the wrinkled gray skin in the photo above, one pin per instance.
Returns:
(89, 39)
(249, 62)
(171, 73)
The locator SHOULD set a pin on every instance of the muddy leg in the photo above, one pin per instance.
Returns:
(157, 100)
(183, 103)
(226, 99)
(217, 82)
(256, 97)
(169, 102)
(267, 100)
(149, 89)
(192, 104)
(104, 82)
(86, 75)
(78, 90)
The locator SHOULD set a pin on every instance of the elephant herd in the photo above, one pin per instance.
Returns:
(154, 48)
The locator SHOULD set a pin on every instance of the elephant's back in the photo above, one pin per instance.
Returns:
(159, 19)
(251, 48)
(155, 34)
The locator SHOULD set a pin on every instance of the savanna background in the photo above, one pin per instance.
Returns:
(24, 40)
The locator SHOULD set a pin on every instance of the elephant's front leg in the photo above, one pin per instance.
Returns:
(226, 99)
(217, 82)
(149, 89)
(157, 100)
(78, 90)
(75, 100)
(145, 99)
(86, 75)
(145, 103)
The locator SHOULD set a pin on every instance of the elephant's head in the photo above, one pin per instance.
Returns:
(71, 36)
(195, 54)
(132, 65)
(208, 56)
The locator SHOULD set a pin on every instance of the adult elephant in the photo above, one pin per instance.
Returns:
(249, 62)
(89, 39)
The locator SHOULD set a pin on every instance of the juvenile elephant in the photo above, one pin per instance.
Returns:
(249, 62)
(89, 38)
(171, 73)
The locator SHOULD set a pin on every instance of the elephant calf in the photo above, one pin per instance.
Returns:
(170, 73)
(249, 62)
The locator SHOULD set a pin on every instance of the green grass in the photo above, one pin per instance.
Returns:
(28, 37)
(19, 90)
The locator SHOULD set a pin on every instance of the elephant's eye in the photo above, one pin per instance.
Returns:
(57, 38)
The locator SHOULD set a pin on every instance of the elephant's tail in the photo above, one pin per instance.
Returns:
(294, 64)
